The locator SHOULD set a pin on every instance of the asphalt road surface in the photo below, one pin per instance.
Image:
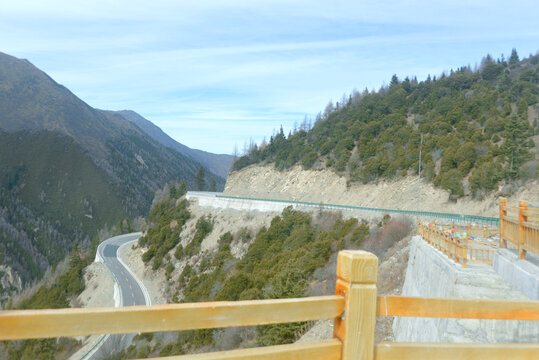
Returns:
(131, 291)
(131, 294)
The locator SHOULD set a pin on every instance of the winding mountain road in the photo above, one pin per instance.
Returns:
(129, 291)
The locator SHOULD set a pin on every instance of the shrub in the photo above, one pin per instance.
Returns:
(452, 181)
(486, 177)
(161, 238)
(360, 233)
(168, 271)
(203, 227)
(178, 253)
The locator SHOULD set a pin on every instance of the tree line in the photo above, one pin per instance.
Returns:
(475, 127)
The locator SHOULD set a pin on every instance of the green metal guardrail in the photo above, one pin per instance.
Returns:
(456, 218)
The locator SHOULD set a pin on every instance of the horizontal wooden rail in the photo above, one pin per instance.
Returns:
(458, 351)
(531, 225)
(323, 350)
(331, 350)
(353, 326)
(512, 220)
(30, 324)
(26, 324)
(457, 308)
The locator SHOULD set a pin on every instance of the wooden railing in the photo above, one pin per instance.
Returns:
(519, 227)
(354, 309)
(457, 242)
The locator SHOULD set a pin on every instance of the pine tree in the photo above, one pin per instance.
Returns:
(200, 181)
(394, 80)
(182, 189)
(515, 145)
(75, 257)
(513, 59)
(213, 186)
(173, 192)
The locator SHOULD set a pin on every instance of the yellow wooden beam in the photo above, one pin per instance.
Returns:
(457, 351)
(28, 324)
(457, 308)
(323, 350)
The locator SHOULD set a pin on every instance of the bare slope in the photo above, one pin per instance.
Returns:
(324, 186)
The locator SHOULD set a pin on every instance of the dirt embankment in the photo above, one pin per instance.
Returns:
(98, 289)
(391, 271)
(98, 292)
(394, 255)
(324, 186)
(161, 290)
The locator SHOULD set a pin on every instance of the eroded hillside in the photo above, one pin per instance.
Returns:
(325, 186)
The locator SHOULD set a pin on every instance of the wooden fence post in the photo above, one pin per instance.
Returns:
(522, 207)
(357, 272)
(503, 212)
(464, 253)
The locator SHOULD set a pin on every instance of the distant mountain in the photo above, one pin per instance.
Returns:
(67, 169)
(218, 163)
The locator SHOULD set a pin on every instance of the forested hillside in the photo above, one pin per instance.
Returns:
(50, 194)
(476, 129)
(68, 170)
(219, 164)
(290, 257)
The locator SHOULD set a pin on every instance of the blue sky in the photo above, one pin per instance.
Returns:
(213, 74)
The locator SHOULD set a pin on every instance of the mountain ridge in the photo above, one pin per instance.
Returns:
(68, 170)
(217, 163)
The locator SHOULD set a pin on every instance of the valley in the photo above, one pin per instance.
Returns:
(69, 171)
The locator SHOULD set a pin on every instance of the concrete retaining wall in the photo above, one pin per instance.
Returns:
(522, 274)
(207, 199)
(432, 274)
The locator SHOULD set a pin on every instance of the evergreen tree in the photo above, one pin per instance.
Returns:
(200, 181)
(394, 80)
(75, 257)
(182, 189)
(513, 59)
(177, 192)
(213, 186)
(515, 145)
(173, 192)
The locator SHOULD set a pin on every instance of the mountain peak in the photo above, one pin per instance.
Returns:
(217, 163)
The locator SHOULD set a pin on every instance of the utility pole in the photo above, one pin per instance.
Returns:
(419, 177)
